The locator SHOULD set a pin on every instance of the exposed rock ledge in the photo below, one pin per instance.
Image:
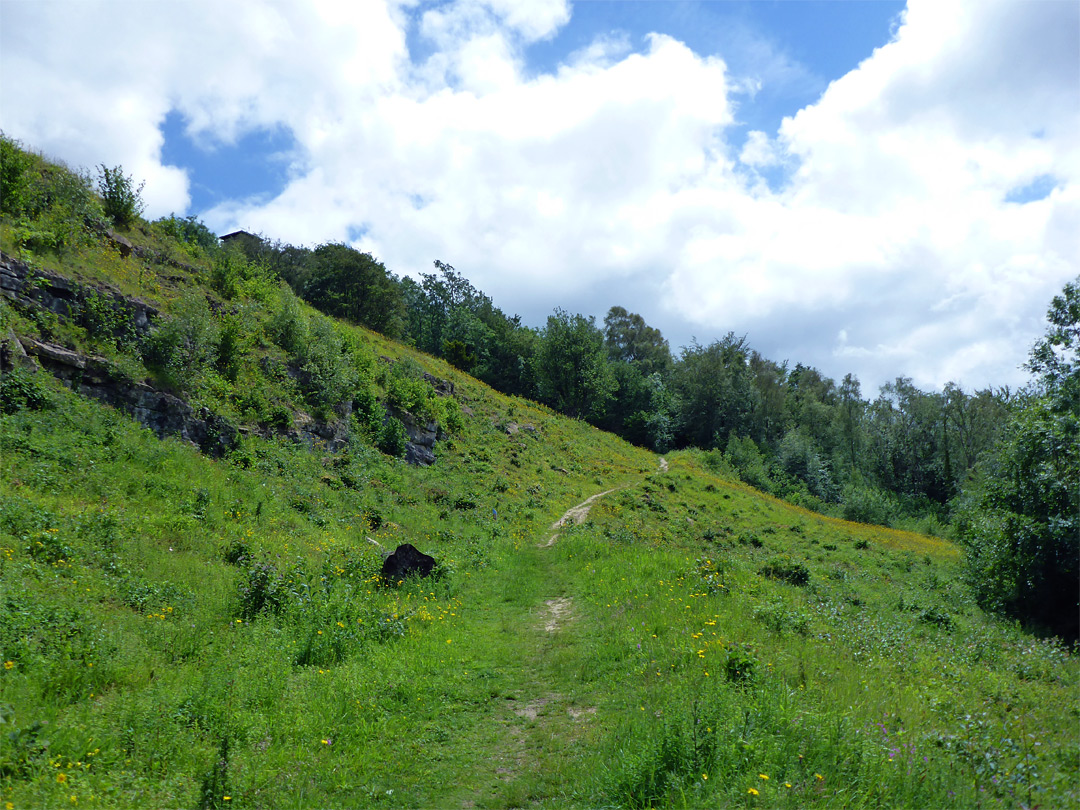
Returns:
(163, 413)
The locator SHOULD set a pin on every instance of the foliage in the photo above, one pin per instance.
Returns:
(786, 570)
(185, 344)
(345, 283)
(1019, 519)
(16, 166)
(53, 208)
(715, 386)
(121, 200)
(189, 231)
(572, 366)
(21, 389)
(630, 340)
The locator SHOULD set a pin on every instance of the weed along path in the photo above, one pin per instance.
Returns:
(543, 718)
(532, 746)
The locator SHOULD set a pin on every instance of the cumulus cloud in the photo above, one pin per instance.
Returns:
(615, 178)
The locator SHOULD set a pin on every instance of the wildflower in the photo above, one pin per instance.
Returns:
(9, 806)
(9, 664)
(819, 777)
(753, 792)
(764, 776)
(787, 784)
(61, 778)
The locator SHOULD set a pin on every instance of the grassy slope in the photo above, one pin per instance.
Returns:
(643, 658)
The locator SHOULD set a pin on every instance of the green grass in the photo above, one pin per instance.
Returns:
(175, 630)
(678, 674)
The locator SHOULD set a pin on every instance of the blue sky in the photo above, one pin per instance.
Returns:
(799, 45)
(880, 188)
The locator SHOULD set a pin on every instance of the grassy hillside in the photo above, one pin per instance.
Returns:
(183, 631)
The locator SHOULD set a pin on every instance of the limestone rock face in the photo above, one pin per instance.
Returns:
(28, 287)
(159, 411)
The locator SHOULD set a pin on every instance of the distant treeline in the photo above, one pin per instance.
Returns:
(897, 459)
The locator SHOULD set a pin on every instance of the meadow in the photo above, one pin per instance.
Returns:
(184, 632)
(190, 630)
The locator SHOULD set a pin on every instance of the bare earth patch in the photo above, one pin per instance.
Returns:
(559, 612)
(577, 713)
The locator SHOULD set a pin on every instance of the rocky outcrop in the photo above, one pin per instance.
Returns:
(29, 287)
(420, 448)
(161, 412)
(33, 290)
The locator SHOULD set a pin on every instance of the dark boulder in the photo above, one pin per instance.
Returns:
(406, 561)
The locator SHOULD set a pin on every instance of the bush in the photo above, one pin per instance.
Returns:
(264, 589)
(15, 166)
(122, 202)
(393, 438)
(185, 345)
(54, 205)
(188, 231)
(19, 390)
(785, 569)
(866, 504)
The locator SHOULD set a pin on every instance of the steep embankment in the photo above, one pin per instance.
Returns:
(179, 630)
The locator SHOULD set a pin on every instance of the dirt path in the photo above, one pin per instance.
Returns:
(574, 516)
(545, 714)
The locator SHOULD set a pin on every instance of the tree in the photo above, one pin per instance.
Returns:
(1019, 517)
(629, 339)
(573, 372)
(346, 283)
(715, 386)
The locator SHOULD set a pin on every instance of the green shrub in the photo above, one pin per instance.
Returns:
(105, 320)
(121, 200)
(20, 389)
(289, 325)
(263, 589)
(393, 437)
(189, 231)
(785, 569)
(56, 207)
(185, 345)
(740, 663)
(15, 176)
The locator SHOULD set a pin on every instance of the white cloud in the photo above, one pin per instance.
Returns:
(613, 180)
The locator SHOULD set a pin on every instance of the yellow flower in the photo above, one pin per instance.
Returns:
(226, 798)
(752, 792)
(764, 776)
(61, 778)
(787, 784)
(819, 777)
(9, 664)
(704, 776)
(9, 806)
